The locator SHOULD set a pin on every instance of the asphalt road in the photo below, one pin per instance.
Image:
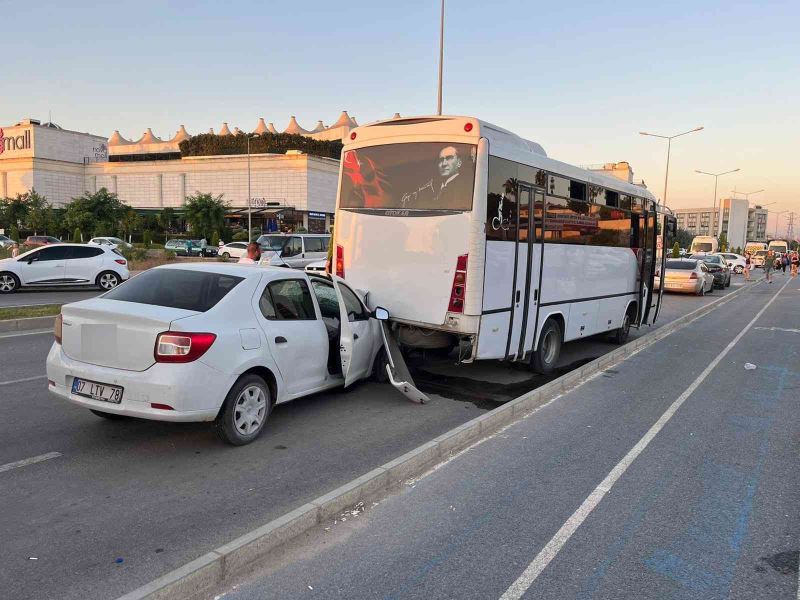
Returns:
(708, 509)
(158, 495)
(28, 297)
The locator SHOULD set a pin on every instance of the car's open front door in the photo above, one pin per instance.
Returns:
(354, 350)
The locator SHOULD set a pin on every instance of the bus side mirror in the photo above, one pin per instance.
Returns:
(381, 314)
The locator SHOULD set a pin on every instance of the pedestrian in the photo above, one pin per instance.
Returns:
(15, 250)
(747, 266)
(769, 264)
(253, 254)
(785, 261)
(795, 263)
(221, 244)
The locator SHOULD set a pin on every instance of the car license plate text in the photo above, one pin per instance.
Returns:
(97, 391)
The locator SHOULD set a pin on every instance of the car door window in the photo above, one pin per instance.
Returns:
(293, 247)
(355, 310)
(326, 298)
(288, 300)
(314, 244)
(54, 253)
(76, 252)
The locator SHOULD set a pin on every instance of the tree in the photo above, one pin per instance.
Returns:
(77, 236)
(14, 210)
(723, 242)
(166, 218)
(97, 212)
(205, 214)
(147, 238)
(215, 239)
(36, 214)
(676, 250)
(130, 222)
(684, 238)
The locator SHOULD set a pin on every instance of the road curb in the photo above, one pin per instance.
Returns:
(205, 574)
(28, 324)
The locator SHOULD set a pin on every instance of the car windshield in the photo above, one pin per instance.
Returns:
(116, 240)
(687, 265)
(761, 253)
(271, 242)
(713, 259)
(176, 288)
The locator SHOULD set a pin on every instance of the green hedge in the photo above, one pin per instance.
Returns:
(208, 144)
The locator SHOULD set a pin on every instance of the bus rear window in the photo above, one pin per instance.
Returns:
(413, 176)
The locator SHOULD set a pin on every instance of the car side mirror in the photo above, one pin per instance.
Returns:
(381, 314)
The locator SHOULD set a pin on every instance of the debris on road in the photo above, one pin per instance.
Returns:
(749, 366)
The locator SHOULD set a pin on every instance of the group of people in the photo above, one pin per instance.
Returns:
(773, 262)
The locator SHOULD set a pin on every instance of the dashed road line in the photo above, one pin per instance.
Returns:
(562, 536)
(36, 332)
(23, 380)
(28, 461)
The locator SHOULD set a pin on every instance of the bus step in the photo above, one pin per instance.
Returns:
(399, 375)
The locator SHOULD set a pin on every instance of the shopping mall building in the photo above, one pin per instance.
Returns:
(149, 174)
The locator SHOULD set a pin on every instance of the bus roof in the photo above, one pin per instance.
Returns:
(502, 143)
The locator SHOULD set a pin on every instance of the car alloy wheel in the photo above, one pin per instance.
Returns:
(8, 283)
(245, 410)
(108, 281)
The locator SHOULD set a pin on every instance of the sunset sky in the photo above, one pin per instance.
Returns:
(582, 79)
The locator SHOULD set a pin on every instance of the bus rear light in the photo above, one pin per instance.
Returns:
(340, 261)
(182, 347)
(459, 289)
(468, 127)
(353, 135)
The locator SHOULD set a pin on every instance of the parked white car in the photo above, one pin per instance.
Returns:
(736, 262)
(5, 241)
(113, 242)
(64, 264)
(316, 268)
(233, 250)
(221, 343)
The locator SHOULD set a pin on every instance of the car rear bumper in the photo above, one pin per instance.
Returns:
(195, 390)
(691, 286)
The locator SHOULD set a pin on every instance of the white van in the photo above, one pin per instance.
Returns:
(301, 249)
(704, 243)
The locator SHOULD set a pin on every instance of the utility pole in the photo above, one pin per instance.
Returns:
(441, 61)
(790, 227)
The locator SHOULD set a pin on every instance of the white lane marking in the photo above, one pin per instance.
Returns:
(28, 461)
(553, 547)
(778, 329)
(37, 332)
(23, 380)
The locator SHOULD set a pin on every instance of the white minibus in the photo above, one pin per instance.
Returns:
(472, 237)
(778, 246)
(704, 243)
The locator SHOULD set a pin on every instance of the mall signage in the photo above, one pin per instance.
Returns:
(19, 142)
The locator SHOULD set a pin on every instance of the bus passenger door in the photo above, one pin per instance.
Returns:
(523, 297)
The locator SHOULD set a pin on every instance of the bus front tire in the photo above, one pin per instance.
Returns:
(545, 357)
(620, 335)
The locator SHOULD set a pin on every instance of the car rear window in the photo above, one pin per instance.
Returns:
(688, 265)
(176, 288)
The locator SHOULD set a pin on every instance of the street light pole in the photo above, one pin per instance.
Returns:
(716, 177)
(441, 61)
(249, 197)
(669, 139)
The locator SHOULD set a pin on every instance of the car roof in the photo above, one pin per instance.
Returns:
(239, 270)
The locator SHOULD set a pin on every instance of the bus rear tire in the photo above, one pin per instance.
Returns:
(620, 335)
(545, 357)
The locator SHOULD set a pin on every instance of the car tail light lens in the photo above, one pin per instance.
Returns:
(693, 275)
(459, 288)
(161, 406)
(120, 261)
(182, 347)
(58, 328)
(340, 261)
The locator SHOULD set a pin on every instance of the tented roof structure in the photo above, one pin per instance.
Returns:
(344, 120)
(294, 127)
(149, 138)
(271, 128)
(320, 127)
(117, 140)
(181, 135)
(261, 127)
(224, 130)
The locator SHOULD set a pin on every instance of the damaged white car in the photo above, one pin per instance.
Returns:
(221, 343)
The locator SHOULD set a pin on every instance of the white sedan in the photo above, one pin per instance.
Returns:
(736, 262)
(233, 250)
(113, 242)
(221, 343)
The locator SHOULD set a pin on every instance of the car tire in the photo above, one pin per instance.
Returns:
(245, 411)
(620, 335)
(107, 280)
(379, 374)
(226, 256)
(110, 416)
(702, 291)
(738, 270)
(728, 283)
(545, 357)
(9, 283)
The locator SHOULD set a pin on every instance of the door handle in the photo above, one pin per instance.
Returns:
(355, 336)
(280, 340)
(517, 296)
(535, 295)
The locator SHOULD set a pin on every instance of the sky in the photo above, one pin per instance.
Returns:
(581, 78)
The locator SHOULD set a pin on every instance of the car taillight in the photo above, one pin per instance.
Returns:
(182, 347)
(693, 275)
(339, 261)
(120, 261)
(58, 329)
(459, 288)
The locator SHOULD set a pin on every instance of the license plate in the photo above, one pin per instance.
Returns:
(97, 391)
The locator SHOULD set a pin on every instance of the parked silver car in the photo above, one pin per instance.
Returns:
(686, 275)
(301, 249)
